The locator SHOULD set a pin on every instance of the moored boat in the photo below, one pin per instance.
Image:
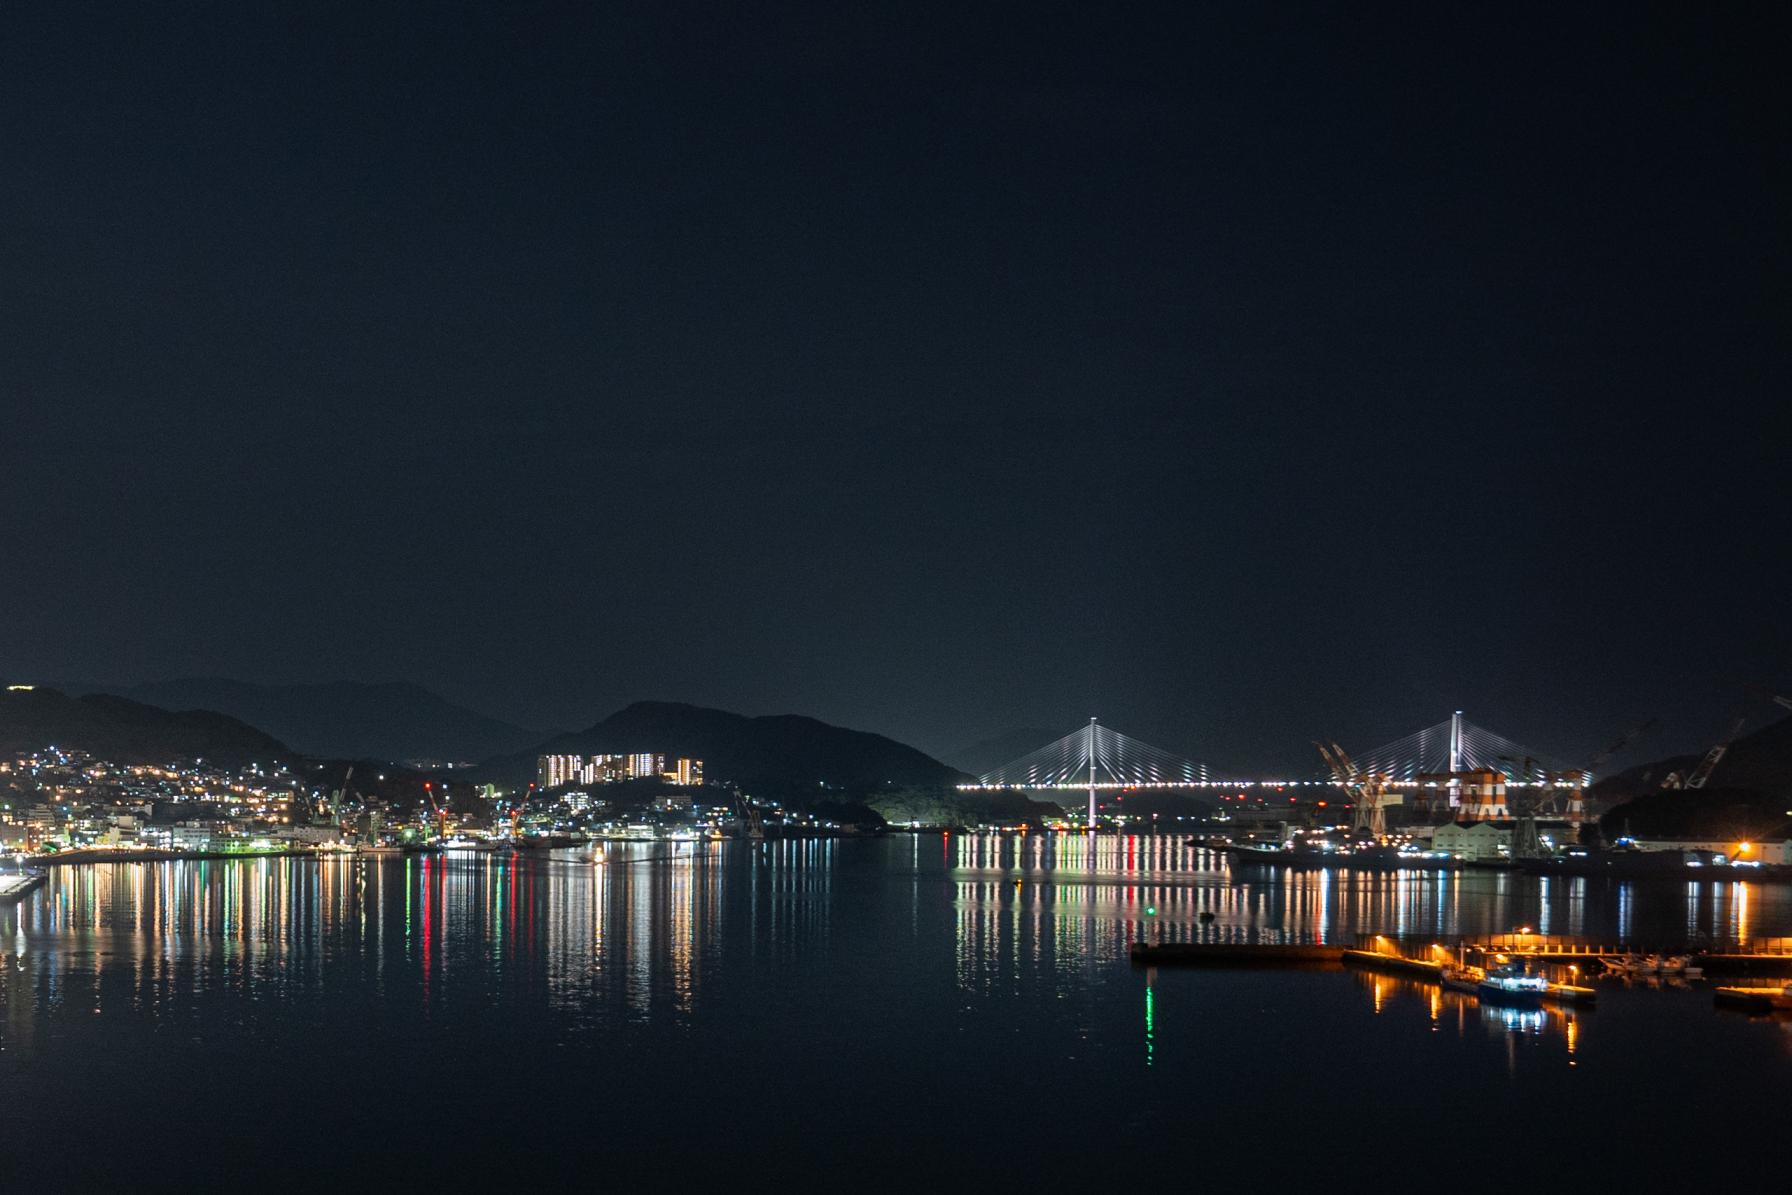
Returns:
(1510, 983)
(1755, 999)
(1462, 979)
(1363, 857)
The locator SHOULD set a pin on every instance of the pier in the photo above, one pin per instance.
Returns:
(15, 885)
(1757, 957)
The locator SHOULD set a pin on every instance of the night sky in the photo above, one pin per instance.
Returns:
(1241, 373)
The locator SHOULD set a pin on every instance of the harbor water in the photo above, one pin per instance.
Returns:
(952, 1010)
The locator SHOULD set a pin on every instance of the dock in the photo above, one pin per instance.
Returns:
(1754, 999)
(16, 885)
(1424, 958)
(1766, 957)
(1432, 970)
(1375, 960)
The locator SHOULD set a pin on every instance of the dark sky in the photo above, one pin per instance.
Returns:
(1239, 373)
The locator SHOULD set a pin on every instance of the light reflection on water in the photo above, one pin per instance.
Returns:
(1463, 1013)
(636, 927)
(1165, 889)
(815, 992)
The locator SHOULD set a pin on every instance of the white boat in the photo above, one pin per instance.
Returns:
(1510, 983)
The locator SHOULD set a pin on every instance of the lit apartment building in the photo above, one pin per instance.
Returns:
(553, 771)
(558, 771)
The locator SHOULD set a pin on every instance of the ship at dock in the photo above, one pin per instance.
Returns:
(1364, 856)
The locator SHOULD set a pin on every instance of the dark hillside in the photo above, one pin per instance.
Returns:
(348, 719)
(778, 754)
(126, 731)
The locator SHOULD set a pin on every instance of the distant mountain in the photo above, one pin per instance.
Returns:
(989, 754)
(780, 754)
(126, 731)
(1737, 814)
(346, 719)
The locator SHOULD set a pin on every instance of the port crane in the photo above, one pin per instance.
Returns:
(1573, 782)
(516, 812)
(328, 810)
(1540, 791)
(1526, 799)
(439, 808)
(1368, 790)
(752, 825)
(1699, 775)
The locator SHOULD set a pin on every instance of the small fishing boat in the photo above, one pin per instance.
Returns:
(1510, 983)
(1462, 979)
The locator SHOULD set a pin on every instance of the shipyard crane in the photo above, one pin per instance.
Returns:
(439, 808)
(333, 806)
(1713, 757)
(1523, 799)
(752, 825)
(1574, 782)
(1707, 765)
(1367, 789)
(516, 812)
(1526, 801)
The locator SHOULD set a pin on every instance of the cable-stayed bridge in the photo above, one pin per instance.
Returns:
(1454, 745)
(1095, 757)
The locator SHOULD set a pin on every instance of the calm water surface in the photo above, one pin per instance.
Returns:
(957, 1011)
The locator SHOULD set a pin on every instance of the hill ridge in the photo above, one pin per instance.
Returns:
(783, 752)
(392, 720)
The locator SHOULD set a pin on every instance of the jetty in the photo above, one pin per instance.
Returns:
(1762, 956)
(1425, 957)
(1752, 999)
(1384, 956)
(16, 885)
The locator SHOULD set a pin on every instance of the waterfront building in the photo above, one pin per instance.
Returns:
(1474, 841)
(1771, 852)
